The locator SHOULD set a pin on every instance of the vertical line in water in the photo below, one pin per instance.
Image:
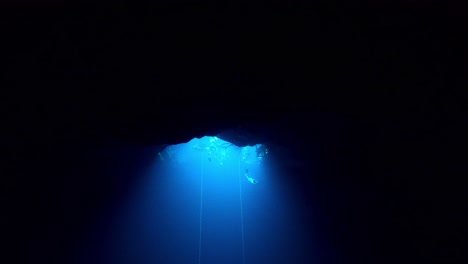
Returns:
(242, 214)
(201, 207)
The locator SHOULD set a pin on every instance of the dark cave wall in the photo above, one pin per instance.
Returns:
(356, 103)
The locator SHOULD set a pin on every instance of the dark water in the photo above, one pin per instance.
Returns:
(195, 204)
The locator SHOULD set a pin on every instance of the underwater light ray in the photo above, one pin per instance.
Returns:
(218, 161)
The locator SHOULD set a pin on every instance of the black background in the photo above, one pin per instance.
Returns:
(370, 91)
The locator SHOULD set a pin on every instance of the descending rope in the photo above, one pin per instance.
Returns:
(242, 215)
(201, 207)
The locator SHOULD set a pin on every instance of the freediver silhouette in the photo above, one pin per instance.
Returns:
(250, 179)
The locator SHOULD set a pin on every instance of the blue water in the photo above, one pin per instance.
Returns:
(195, 204)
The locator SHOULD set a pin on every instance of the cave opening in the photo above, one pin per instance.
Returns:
(205, 201)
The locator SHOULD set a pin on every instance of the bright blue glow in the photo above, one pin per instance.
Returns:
(206, 201)
(218, 154)
(224, 168)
